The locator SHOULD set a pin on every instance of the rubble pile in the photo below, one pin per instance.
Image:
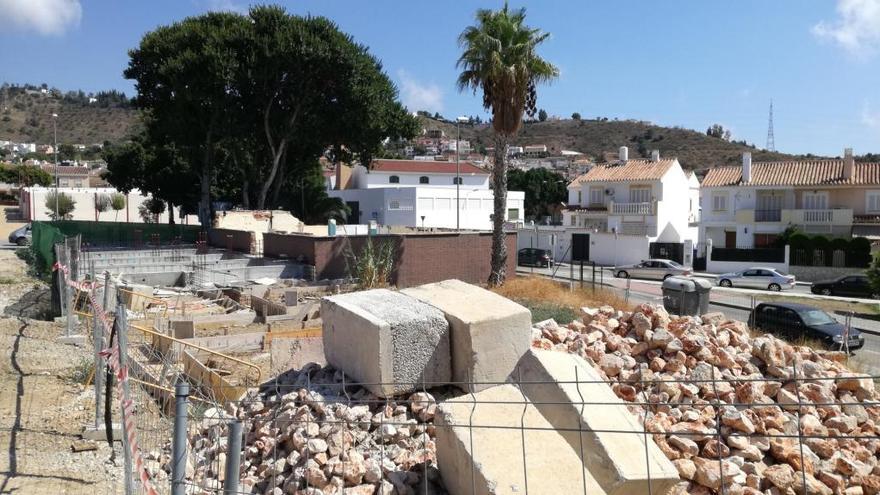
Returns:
(306, 434)
(724, 406)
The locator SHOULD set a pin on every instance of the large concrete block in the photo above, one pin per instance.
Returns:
(488, 332)
(573, 398)
(390, 342)
(495, 442)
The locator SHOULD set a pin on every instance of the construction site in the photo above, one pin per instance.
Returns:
(238, 373)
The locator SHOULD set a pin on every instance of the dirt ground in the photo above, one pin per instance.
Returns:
(43, 408)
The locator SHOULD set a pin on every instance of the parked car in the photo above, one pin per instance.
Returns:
(757, 278)
(796, 321)
(654, 268)
(21, 235)
(847, 285)
(534, 257)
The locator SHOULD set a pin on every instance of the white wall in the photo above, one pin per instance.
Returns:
(436, 204)
(674, 207)
(33, 206)
(363, 179)
(626, 249)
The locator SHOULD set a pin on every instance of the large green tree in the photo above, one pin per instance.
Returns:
(499, 56)
(544, 190)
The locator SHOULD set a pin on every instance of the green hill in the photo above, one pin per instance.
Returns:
(695, 150)
(26, 115)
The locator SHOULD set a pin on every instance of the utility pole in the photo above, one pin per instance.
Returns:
(55, 132)
(771, 139)
(458, 122)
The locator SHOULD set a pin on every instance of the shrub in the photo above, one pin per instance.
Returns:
(371, 267)
(820, 242)
(62, 208)
(874, 273)
(102, 204)
(150, 210)
(117, 202)
(799, 241)
(839, 244)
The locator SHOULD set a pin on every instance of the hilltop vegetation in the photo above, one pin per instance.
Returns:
(695, 150)
(84, 118)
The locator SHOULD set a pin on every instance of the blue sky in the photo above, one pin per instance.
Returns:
(689, 63)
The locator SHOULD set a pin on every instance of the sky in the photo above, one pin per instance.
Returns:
(688, 63)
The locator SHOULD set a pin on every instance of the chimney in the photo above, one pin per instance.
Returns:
(849, 164)
(747, 167)
(655, 155)
(623, 154)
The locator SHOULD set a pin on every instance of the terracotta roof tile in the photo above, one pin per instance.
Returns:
(425, 166)
(631, 170)
(794, 173)
(66, 170)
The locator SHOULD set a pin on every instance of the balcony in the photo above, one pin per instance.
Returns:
(632, 208)
(835, 217)
(768, 215)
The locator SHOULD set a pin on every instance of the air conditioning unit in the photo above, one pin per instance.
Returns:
(609, 192)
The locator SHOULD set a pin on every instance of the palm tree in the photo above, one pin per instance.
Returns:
(499, 56)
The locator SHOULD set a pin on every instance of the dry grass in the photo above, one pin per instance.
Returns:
(550, 299)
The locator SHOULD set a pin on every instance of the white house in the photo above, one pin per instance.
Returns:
(616, 210)
(417, 193)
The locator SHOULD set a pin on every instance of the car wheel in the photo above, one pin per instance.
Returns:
(622, 274)
(666, 276)
(825, 292)
(22, 241)
(774, 287)
(725, 283)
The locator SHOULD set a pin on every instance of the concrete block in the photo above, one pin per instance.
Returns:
(495, 441)
(182, 329)
(291, 297)
(488, 332)
(573, 398)
(390, 342)
(100, 434)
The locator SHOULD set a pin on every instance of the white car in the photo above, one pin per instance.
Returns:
(757, 277)
(659, 269)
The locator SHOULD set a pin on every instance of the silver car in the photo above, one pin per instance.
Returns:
(757, 277)
(655, 268)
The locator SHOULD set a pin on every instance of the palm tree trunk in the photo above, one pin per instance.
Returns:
(499, 187)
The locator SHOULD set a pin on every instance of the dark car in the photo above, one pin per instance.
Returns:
(795, 321)
(847, 285)
(21, 235)
(534, 257)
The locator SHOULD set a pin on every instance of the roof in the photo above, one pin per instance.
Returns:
(631, 170)
(794, 173)
(66, 170)
(790, 305)
(426, 167)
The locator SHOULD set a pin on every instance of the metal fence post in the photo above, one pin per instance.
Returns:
(98, 343)
(121, 323)
(178, 447)
(582, 274)
(233, 458)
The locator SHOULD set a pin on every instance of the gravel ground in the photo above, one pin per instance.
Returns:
(42, 407)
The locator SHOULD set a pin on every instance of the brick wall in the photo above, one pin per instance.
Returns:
(419, 258)
(234, 240)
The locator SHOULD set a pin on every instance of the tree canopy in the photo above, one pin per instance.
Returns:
(544, 190)
(244, 103)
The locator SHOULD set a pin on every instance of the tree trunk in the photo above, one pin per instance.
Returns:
(245, 195)
(279, 181)
(499, 188)
(170, 213)
(205, 200)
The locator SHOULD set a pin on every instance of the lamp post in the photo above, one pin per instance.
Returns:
(55, 133)
(458, 122)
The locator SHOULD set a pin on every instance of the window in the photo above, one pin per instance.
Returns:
(473, 204)
(443, 203)
(597, 196)
(456, 180)
(426, 203)
(719, 202)
(574, 221)
(424, 179)
(580, 197)
(394, 204)
(815, 200)
(639, 194)
(394, 179)
(872, 202)
(513, 214)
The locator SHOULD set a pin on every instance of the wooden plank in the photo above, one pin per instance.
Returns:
(290, 334)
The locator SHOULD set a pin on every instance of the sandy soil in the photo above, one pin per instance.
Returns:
(42, 407)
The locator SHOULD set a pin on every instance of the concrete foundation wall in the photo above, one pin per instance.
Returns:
(233, 240)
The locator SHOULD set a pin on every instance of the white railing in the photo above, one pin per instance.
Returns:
(632, 209)
(818, 216)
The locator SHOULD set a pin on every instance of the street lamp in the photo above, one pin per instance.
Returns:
(55, 133)
(458, 122)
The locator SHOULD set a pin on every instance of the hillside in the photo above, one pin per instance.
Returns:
(695, 150)
(26, 116)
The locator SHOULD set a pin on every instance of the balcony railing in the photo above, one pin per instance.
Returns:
(768, 215)
(836, 216)
(818, 216)
(632, 208)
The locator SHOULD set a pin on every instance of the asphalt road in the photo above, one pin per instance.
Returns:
(735, 303)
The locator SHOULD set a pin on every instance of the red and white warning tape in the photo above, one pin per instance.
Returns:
(111, 354)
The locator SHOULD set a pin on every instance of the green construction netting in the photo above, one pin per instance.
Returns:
(44, 235)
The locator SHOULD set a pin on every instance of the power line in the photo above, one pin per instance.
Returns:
(771, 140)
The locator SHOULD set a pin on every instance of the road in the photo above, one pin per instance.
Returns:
(735, 303)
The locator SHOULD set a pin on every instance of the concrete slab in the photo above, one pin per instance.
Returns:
(500, 444)
(100, 434)
(390, 342)
(570, 394)
(488, 332)
(74, 339)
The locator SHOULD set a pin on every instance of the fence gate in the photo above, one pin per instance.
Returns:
(700, 253)
(580, 247)
(667, 250)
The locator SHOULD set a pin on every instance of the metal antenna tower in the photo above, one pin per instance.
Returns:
(771, 141)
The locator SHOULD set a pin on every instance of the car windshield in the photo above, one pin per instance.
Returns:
(817, 317)
(674, 264)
